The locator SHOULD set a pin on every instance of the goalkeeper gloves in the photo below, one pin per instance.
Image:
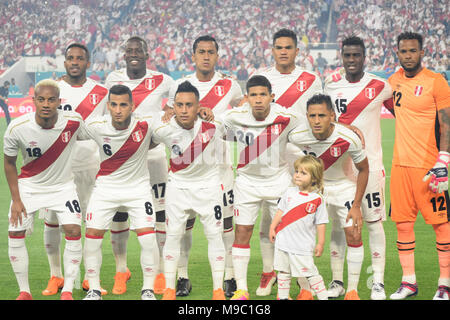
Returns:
(439, 174)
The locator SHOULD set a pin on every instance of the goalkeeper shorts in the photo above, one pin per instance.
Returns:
(409, 195)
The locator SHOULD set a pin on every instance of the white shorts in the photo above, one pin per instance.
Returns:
(185, 204)
(227, 176)
(295, 264)
(63, 202)
(248, 200)
(292, 154)
(339, 198)
(85, 181)
(373, 205)
(104, 204)
(158, 169)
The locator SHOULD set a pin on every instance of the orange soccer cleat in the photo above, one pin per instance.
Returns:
(160, 283)
(305, 295)
(120, 282)
(169, 294)
(218, 294)
(352, 295)
(53, 286)
(85, 286)
(66, 295)
(23, 295)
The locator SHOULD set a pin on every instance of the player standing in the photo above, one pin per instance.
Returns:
(338, 147)
(292, 87)
(148, 88)
(217, 92)
(358, 97)
(122, 183)
(88, 98)
(419, 175)
(46, 139)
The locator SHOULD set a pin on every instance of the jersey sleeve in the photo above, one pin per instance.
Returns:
(321, 215)
(441, 92)
(298, 135)
(356, 151)
(237, 95)
(10, 143)
(282, 204)
(172, 91)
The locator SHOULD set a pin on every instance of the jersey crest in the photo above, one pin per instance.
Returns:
(296, 90)
(217, 92)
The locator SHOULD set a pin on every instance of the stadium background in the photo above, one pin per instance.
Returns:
(35, 34)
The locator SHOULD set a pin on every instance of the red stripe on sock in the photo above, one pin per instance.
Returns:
(51, 225)
(355, 246)
(241, 246)
(94, 237)
(120, 231)
(144, 233)
(17, 237)
(73, 238)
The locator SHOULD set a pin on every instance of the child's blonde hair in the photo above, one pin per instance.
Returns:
(314, 166)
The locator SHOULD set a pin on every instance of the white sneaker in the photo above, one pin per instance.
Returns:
(93, 295)
(378, 292)
(265, 285)
(148, 294)
(404, 291)
(335, 289)
(443, 293)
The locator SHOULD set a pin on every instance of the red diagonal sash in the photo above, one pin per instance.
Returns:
(38, 165)
(263, 141)
(91, 101)
(296, 90)
(125, 152)
(146, 87)
(201, 140)
(334, 152)
(361, 101)
(217, 92)
(298, 212)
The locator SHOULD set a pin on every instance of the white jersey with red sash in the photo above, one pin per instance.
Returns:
(359, 104)
(292, 90)
(302, 211)
(89, 100)
(338, 151)
(123, 153)
(194, 153)
(46, 153)
(261, 145)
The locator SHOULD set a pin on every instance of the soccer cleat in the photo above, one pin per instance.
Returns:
(265, 285)
(230, 287)
(352, 295)
(169, 294)
(85, 287)
(335, 289)
(53, 286)
(66, 295)
(93, 295)
(23, 295)
(404, 291)
(240, 295)
(160, 283)
(218, 294)
(184, 287)
(120, 282)
(378, 292)
(305, 295)
(443, 293)
(148, 294)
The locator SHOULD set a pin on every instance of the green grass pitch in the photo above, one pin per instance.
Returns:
(427, 269)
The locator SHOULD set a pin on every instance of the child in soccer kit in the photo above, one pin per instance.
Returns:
(301, 215)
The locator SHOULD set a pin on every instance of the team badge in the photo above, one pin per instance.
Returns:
(94, 98)
(370, 93)
(335, 151)
(310, 207)
(275, 129)
(65, 136)
(204, 137)
(219, 91)
(150, 83)
(418, 91)
(301, 85)
(137, 136)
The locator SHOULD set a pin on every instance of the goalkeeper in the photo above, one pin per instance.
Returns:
(419, 175)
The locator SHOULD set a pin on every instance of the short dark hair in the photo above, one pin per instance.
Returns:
(257, 81)
(353, 41)
(186, 86)
(319, 99)
(120, 89)
(204, 38)
(410, 36)
(285, 33)
(141, 40)
(78, 45)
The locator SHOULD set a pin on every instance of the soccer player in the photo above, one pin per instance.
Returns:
(292, 87)
(338, 147)
(122, 183)
(358, 97)
(148, 88)
(88, 98)
(419, 175)
(194, 185)
(217, 92)
(46, 139)
(260, 129)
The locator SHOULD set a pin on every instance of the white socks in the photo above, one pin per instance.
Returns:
(338, 244)
(149, 258)
(73, 253)
(52, 242)
(18, 256)
(241, 258)
(355, 257)
(119, 239)
(377, 243)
